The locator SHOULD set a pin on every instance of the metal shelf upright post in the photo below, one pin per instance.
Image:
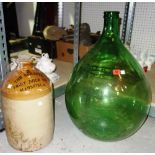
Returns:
(129, 14)
(4, 68)
(77, 16)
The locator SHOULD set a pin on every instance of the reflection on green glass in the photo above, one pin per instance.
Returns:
(108, 96)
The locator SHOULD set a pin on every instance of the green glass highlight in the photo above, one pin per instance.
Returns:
(108, 96)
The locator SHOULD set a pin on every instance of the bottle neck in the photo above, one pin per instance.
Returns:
(111, 24)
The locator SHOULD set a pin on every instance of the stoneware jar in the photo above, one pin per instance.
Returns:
(27, 105)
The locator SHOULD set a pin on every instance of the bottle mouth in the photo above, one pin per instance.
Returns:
(111, 13)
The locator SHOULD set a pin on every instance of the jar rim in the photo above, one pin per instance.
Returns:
(111, 13)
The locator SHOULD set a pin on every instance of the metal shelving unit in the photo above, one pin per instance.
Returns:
(126, 38)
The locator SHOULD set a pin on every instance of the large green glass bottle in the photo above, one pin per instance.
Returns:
(108, 96)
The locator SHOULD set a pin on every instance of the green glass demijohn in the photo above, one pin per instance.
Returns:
(108, 96)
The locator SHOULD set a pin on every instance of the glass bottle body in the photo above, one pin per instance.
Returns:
(108, 94)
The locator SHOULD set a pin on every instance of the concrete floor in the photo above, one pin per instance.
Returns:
(67, 138)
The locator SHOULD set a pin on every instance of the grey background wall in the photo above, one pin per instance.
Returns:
(91, 13)
(25, 17)
(143, 39)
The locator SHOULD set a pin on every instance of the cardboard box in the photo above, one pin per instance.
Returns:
(65, 50)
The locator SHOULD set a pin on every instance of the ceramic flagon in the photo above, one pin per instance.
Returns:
(27, 105)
